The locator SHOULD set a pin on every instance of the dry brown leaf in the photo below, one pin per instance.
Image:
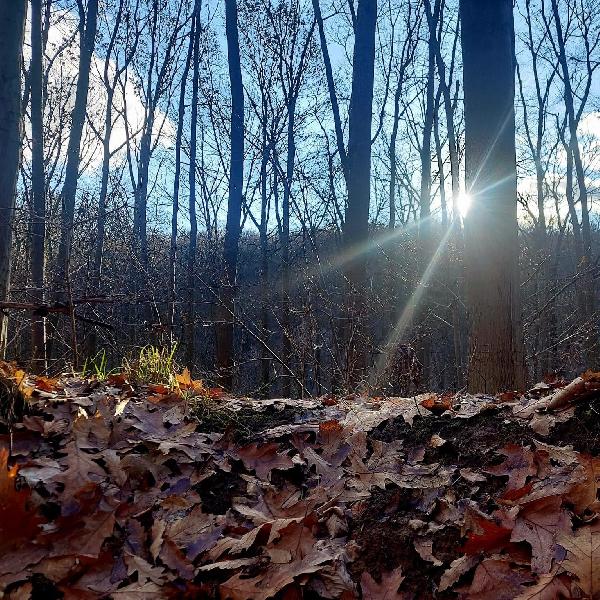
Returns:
(583, 557)
(456, 570)
(539, 523)
(550, 586)
(496, 579)
(386, 590)
(263, 458)
(518, 466)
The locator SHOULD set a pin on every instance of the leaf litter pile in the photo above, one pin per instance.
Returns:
(109, 490)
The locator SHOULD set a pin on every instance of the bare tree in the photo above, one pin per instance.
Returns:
(356, 223)
(116, 63)
(88, 23)
(193, 241)
(38, 186)
(234, 206)
(176, 181)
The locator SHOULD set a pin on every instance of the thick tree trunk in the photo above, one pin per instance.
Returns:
(69, 190)
(38, 188)
(234, 205)
(12, 26)
(356, 225)
(496, 343)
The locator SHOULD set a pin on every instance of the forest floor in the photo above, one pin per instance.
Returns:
(112, 490)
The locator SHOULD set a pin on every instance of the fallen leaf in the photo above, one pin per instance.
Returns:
(263, 458)
(539, 523)
(496, 579)
(386, 590)
(583, 557)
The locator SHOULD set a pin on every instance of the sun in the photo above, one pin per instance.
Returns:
(464, 203)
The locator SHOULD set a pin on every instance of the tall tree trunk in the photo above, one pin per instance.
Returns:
(575, 225)
(234, 204)
(12, 27)
(285, 240)
(101, 218)
(496, 342)
(38, 187)
(392, 156)
(425, 230)
(425, 191)
(440, 165)
(356, 223)
(264, 296)
(176, 185)
(193, 242)
(88, 27)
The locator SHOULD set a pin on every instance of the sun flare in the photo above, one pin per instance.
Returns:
(464, 203)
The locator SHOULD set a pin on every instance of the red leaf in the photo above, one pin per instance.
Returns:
(492, 537)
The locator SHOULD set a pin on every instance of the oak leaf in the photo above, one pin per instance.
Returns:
(497, 579)
(550, 586)
(583, 557)
(518, 466)
(263, 458)
(538, 524)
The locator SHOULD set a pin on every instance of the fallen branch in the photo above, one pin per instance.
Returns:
(45, 309)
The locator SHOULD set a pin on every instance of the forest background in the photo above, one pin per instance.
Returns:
(134, 113)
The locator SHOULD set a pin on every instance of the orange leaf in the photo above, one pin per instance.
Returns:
(184, 379)
(18, 520)
(508, 396)
(46, 384)
(158, 388)
(332, 426)
(518, 493)
(438, 404)
(118, 379)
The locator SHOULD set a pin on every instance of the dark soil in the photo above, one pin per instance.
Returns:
(469, 442)
(582, 431)
(218, 490)
(385, 538)
(382, 529)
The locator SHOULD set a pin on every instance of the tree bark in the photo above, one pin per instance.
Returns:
(285, 240)
(491, 253)
(176, 185)
(356, 222)
(12, 28)
(193, 241)
(38, 188)
(234, 205)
